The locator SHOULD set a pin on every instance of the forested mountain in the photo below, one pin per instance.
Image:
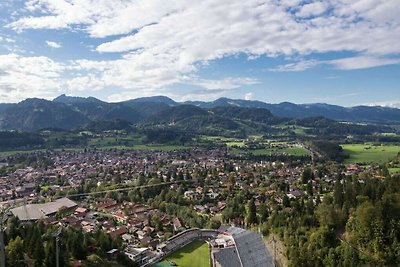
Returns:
(34, 114)
(291, 110)
(107, 111)
(353, 114)
(66, 112)
(154, 99)
(5, 106)
(76, 99)
(146, 109)
(175, 114)
(251, 114)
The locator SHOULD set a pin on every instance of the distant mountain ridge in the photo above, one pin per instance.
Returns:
(374, 114)
(76, 99)
(68, 112)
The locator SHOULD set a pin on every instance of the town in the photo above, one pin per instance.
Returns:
(153, 202)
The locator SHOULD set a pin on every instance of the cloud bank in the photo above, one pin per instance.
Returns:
(160, 45)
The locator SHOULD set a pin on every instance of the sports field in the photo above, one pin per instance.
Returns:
(370, 153)
(196, 254)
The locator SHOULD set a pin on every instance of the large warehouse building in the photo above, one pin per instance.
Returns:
(34, 212)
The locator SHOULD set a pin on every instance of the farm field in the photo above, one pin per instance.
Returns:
(147, 147)
(369, 153)
(4, 154)
(394, 170)
(195, 254)
(235, 143)
(295, 151)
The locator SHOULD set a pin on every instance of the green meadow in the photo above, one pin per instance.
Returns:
(155, 147)
(195, 254)
(370, 153)
(295, 151)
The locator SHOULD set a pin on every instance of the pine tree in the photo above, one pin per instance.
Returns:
(251, 217)
(15, 252)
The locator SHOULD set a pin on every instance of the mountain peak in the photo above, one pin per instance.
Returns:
(154, 99)
(75, 99)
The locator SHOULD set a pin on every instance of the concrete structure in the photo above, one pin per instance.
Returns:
(34, 212)
(138, 255)
(237, 247)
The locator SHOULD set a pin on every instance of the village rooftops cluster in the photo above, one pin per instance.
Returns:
(211, 175)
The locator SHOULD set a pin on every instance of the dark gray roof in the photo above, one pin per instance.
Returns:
(228, 257)
(252, 250)
(250, 246)
(41, 211)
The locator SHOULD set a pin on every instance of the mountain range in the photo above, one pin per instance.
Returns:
(67, 112)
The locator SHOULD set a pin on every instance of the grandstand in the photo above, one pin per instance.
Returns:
(246, 250)
(182, 239)
(230, 246)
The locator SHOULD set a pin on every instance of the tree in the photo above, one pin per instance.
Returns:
(306, 176)
(251, 217)
(50, 258)
(326, 215)
(39, 254)
(15, 252)
(310, 189)
(338, 193)
(263, 211)
(286, 201)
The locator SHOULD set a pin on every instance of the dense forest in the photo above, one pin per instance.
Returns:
(36, 244)
(358, 225)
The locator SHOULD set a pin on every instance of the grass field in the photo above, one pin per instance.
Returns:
(147, 147)
(196, 254)
(295, 151)
(4, 154)
(235, 143)
(394, 170)
(369, 153)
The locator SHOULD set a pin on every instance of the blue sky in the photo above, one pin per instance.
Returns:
(344, 52)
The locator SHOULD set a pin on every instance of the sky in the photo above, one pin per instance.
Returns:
(344, 52)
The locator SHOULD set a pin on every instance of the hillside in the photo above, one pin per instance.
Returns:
(291, 110)
(34, 114)
(224, 115)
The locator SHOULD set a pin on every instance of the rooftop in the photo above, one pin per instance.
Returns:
(40, 211)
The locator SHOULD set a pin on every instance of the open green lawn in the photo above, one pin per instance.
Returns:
(394, 170)
(218, 138)
(4, 154)
(235, 143)
(370, 153)
(147, 147)
(196, 254)
(295, 151)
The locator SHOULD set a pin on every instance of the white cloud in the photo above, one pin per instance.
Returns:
(390, 104)
(248, 96)
(254, 27)
(53, 44)
(228, 83)
(363, 62)
(23, 77)
(164, 44)
(296, 66)
(313, 9)
(349, 63)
